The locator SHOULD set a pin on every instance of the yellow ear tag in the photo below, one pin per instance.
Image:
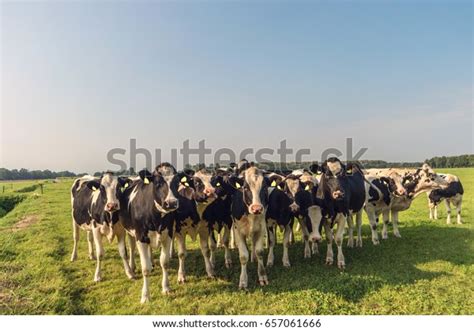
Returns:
(306, 188)
(237, 185)
(274, 183)
(186, 184)
(184, 179)
(94, 188)
(218, 184)
(349, 171)
(126, 185)
(146, 180)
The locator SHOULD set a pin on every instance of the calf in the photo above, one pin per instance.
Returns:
(342, 192)
(290, 198)
(453, 193)
(150, 202)
(95, 207)
(248, 213)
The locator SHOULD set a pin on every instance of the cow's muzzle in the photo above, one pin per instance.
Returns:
(338, 195)
(256, 209)
(111, 206)
(171, 204)
(294, 207)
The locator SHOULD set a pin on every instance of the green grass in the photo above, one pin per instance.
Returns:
(428, 271)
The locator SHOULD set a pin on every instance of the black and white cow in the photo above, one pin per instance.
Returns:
(453, 193)
(150, 202)
(341, 192)
(249, 203)
(290, 197)
(95, 207)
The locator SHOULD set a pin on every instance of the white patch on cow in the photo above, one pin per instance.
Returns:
(110, 182)
(293, 186)
(170, 195)
(132, 196)
(254, 178)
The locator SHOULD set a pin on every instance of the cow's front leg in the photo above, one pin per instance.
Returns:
(145, 263)
(305, 233)
(75, 236)
(240, 240)
(213, 247)
(396, 232)
(258, 241)
(99, 249)
(341, 223)
(359, 228)
(90, 245)
(458, 211)
(165, 240)
(131, 252)
(386, 221)
(436, 212)
(180, 240)
(350, 225)
(271, 245)
(286, 243)
(123, 254)
(329, 238)
(225, 242)
(232, 244)
(205, 251)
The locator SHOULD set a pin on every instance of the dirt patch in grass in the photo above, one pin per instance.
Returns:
(25, 222)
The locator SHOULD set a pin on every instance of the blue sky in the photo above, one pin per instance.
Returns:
(80, 78)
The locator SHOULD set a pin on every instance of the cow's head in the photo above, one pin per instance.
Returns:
(108, 189)
(395, 183)
(186, 187)
(204, 184)
(334, 179)
(253, 185)
(164, 183)
(422, 180)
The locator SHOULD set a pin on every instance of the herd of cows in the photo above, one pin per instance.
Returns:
(241, 204)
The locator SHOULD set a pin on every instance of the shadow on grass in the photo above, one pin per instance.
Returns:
(394, 262)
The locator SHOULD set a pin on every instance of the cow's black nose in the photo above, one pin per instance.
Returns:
(171, 204)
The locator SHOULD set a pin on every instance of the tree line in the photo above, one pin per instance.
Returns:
(460, 161)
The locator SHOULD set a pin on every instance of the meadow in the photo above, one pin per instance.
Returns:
(427, 271)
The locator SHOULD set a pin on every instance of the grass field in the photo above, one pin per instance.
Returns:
(428, 271)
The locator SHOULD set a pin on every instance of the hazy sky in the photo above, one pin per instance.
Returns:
(80, 78)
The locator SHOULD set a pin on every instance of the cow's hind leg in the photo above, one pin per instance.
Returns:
(396, 232)
(386, 221)
(359, 229)
(448, 211)
(131, 253)
(75, 235)
(165, 240)
(212, 247)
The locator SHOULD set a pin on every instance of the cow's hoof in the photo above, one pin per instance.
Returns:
(243, 286)
(269, 264)
(263, 281)
(91, 257)
(359, 243)
(385, 236)
(286, 264)
(228, 264)
(131, 276)
(97, 279)
(459, 223)
(73, 257)
(397, 234)
(181, 279)
(329, 261)
(145, 299)
(341, 265)
(375, 242)
(166, 291)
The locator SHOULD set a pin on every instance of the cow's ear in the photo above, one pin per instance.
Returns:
(189, 172)
(93, 185)
(236, 182)
(124, 182)
(145, 176)
(324, 167)
(185, 179)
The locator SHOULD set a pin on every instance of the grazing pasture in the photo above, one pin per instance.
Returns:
(427, 271)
